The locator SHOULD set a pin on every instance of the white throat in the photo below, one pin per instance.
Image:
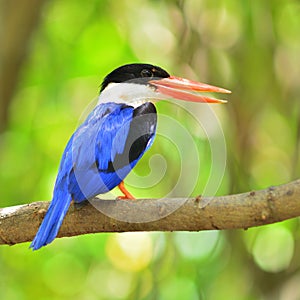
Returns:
(131, 93)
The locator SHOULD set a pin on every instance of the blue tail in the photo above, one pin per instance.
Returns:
(53, 219)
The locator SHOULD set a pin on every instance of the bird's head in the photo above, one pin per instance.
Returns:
(138, 83)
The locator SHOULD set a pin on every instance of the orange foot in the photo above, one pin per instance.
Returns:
(127, 195)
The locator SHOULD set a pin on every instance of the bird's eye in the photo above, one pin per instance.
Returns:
(146, 73)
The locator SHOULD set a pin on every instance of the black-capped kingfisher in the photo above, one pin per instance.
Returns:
(114, 137)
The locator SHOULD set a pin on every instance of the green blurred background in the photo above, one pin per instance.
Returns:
(53, 56)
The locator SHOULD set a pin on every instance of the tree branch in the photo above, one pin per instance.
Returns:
(19, 223)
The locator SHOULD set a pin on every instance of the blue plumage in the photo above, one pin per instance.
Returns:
(104, 149)
(99, 155)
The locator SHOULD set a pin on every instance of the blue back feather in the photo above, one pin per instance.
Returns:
(89, 165)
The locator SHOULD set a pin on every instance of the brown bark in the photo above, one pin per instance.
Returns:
(19, 223)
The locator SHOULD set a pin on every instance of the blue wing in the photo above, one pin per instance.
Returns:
(108, 145)
(99, 155)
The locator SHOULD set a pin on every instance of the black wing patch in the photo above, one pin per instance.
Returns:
(141, 133)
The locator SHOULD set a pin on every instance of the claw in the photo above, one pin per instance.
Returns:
(127, 195)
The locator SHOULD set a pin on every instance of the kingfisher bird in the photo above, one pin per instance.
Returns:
(114, 137)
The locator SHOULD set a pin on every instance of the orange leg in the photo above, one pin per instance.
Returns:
(127, 195)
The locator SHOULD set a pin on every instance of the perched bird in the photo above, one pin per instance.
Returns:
(114, 137)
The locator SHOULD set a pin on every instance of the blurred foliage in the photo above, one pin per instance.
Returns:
(250, 47)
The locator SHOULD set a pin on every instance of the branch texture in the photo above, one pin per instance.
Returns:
(19, 223)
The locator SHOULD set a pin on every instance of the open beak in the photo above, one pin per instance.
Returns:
(188, 90)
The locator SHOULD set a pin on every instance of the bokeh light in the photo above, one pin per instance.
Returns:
(249, 47)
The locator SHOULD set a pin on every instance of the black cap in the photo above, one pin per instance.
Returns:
(136, 73)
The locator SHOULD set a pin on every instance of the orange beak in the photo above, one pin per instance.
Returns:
(187, 90)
